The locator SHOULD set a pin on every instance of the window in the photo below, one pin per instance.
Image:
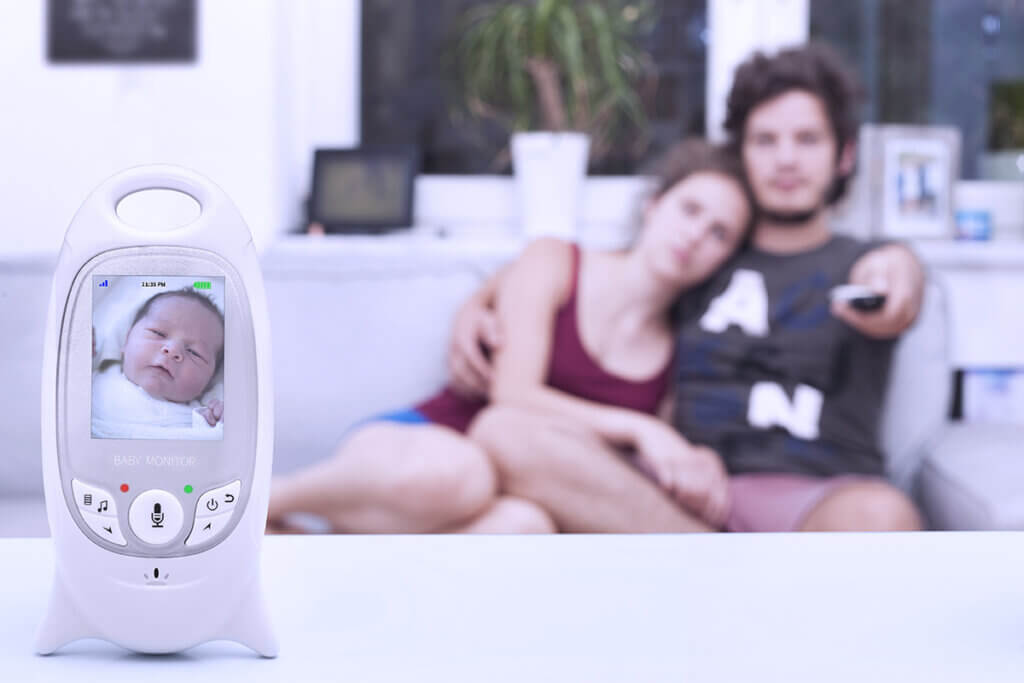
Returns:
(943, 62)
(406, 91)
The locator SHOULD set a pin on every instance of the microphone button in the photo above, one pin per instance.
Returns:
(156, 517)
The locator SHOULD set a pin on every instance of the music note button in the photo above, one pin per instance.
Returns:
(93, 499)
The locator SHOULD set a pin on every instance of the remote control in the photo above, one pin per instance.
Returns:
(859, 297)
(157, 424)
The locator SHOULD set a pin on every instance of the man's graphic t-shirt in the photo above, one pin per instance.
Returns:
(769, 378)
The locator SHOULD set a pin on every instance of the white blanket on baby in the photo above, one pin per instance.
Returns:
(123, 410)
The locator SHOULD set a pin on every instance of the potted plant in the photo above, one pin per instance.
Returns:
(563, 77)
(1004, 159)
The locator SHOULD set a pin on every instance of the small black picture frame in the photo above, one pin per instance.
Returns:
(363, 190)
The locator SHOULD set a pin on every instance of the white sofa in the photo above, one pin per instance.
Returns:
(360, 325)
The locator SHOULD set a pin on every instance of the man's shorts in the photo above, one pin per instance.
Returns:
(780, 502)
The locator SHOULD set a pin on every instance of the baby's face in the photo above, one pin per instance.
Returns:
(171, 352)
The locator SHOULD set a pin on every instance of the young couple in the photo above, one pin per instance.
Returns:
(719, 313)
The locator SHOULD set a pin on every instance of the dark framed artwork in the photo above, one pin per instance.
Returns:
(364, 189)
(121, 31)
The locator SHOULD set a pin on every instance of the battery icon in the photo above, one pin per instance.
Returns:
(201, 285)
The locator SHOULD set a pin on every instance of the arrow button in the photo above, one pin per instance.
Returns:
(105, 527)
(208, 528)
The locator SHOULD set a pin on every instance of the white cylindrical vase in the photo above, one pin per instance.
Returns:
(549, 170)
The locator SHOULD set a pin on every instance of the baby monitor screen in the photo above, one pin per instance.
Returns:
(157, 357)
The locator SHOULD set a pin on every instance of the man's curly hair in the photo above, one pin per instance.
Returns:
(814, 68)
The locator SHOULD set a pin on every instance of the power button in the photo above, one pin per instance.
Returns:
(219, 501)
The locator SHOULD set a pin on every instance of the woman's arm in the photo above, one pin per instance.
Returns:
(528, 299)
(475, 335)
(527, 303)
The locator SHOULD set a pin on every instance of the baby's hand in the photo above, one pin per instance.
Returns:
(213, 412)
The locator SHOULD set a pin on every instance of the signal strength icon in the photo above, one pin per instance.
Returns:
(104, 284)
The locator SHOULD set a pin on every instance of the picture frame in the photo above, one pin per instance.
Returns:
(102, 32)
(993, 395)
(363, 190)
(908, 174)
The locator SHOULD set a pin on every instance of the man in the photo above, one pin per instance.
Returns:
(785, 386)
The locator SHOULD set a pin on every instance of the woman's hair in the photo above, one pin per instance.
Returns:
(814, 68)
(694, 155)
(185, 293)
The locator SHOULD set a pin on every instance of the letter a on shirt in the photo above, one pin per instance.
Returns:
(743, 303)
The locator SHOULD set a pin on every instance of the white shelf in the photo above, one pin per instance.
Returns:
(420, 249)
(998, 254)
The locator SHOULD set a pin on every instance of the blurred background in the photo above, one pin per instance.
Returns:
(367, 145)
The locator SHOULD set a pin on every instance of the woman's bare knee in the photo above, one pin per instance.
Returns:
(492, 427)
(510, 515)
(523, 446)
(440, 472)
(393, 477)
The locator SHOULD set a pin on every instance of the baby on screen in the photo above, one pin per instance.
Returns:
(173, 350)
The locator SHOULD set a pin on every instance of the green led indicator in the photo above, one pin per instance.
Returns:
(201, 285)
(188, 488)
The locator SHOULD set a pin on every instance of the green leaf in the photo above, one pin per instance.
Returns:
(515, 54)
(591, 45)
(570, 47)
(543, 12)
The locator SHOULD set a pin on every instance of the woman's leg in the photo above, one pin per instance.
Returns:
(391, 478)
(583, 484)
(508, 515)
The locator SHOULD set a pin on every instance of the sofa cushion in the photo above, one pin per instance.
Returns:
(917, 403)
(24, 298)
(358, 328)
(972, 478)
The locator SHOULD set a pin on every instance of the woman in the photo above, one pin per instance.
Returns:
(589, 339)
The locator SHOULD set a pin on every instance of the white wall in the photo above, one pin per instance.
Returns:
(272, 78)
(736, 29)
(319, 73)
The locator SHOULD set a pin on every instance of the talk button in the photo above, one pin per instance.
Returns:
(156, 517)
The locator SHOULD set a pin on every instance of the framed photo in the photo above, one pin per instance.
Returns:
(994, 395)
(363, 189)
(908, 174)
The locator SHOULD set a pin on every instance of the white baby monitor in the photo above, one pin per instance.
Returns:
(157, 420)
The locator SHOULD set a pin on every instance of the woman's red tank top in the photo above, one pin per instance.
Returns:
(571, 369)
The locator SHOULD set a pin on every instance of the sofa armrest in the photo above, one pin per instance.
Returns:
(971, 478)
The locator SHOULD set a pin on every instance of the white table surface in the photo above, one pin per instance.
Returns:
(728, 607)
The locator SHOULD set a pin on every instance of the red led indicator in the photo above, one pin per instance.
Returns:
(124, 488)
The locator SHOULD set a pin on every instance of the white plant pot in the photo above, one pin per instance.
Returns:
(549, 170)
